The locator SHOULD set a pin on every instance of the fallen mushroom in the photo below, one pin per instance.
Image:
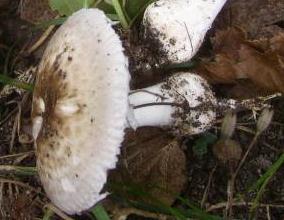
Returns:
(176, 28)
(81, 106)
(79, 110)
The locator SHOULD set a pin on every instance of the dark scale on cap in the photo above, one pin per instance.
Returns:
(51, 146)
(92, 120)
(70, 58)
(173, 41)
(68, 151)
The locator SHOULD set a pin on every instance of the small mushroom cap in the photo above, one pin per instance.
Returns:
(80, 101)
(176, 28)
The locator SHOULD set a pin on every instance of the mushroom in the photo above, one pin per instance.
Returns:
(176, 28)
(82, 103)
(79, 110)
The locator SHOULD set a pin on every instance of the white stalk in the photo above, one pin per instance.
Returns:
(151, 107)
(184, 102)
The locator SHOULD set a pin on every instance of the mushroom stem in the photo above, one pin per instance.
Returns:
(152, 107)
(184, 102)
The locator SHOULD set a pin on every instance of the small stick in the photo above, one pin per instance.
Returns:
(57, 211)
(41, 40)
(2, 180)
(122, 214)
(231, 182)
(222, 205)
(17, 155)
(205, 194)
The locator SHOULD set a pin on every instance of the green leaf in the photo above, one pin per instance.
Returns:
(104, 6)
(108, 2)
(134, 7)
(100, 213)
(68, 7)
(56, 21)
(48, 214)
(200, 147)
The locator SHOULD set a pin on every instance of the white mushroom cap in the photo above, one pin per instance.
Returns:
(177, 27)
(81, 102)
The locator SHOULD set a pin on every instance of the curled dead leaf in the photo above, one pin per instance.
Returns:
(228, 42)
(154, 161)
(264, 69)
(236, 58)
(260, 18)
(221, 70)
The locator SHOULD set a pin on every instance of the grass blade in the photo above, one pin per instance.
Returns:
(6, 80)
(262, 182)
(100, 213)
(120, 14)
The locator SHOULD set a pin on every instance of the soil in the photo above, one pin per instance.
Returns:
(22, 197)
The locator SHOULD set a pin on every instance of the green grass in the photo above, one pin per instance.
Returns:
(6, 80)
(18, 170)
(125, 11)
(100, 213)
(262, 182)
(125, 193)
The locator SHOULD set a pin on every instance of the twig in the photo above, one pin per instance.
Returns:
(57, 211)
(232, 180)
(253, 142)
(205, 194)
(2, 180)
(8, 116)
(41, 40)
(245, 129)
(20, 159)
(17, 155)
(222, 205)
(16, 126)
(123, 213)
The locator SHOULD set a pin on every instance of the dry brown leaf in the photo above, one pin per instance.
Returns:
(229, 41)
(222, 70)
(277, 44)
(261, 61)
(226, 45)
(259, 18)
(154, 161)
(264, 69)
(245, 89)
